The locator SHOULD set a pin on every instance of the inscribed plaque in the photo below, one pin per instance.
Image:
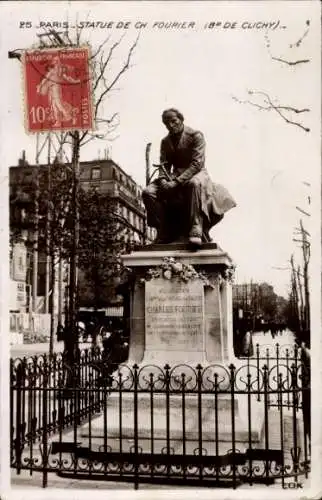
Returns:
(174, 315)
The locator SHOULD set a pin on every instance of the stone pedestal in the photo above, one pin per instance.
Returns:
(173, 321)
(180, 320)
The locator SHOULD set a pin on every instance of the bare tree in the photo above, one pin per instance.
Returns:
(263, 101)
(105, 78)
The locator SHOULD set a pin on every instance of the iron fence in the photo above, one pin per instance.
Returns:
(39, 398)
(205, 426)
(279, 359)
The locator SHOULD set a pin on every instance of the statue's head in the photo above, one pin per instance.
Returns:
(173, 120)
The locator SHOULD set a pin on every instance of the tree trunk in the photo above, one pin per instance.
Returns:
(71, 335)
(52, 301)
(60, 289)
(300, 289)
(35, 244)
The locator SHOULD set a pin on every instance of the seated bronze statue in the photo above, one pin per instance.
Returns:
(183, 204)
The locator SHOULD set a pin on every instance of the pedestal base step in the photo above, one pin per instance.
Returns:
(188, 419)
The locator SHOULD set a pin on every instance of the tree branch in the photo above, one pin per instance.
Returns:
(92, 137)
(82, 137)
(290, 63)
(109, 121)
(283, 60)
(270, 105)
(124, 68)
(300, 40)
(105, 63)
(303, 211)
(79, 30)
(100, 47)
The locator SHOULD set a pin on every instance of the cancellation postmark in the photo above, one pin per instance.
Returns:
(57, 90)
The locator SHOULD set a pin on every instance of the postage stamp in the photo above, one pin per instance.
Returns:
(57, 90)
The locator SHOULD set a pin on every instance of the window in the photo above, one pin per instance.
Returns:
(96, 173)
(20, 263)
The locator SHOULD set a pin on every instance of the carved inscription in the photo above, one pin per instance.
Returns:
(174, 315)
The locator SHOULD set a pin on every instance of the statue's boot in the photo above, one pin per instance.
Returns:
(195, 235)
(162, 235)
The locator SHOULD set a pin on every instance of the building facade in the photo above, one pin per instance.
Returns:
(104, 175)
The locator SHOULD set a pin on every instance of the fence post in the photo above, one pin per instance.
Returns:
(280, 407)
(167, 394)
(199, 388)
(266, 423)
(233, 435)
(44, 423)
(249, 407)
(183, 403)
(11, 412)
(306, 404)
(257, 366)
(18, 440)
(295, 451)
(136, 430)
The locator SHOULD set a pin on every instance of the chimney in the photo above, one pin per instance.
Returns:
(22, 161)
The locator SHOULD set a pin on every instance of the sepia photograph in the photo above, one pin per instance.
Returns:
(160, 300)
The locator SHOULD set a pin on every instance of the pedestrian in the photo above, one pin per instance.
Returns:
(60, 332)
(248, 348)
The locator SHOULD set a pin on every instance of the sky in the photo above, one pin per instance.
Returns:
(264, 162)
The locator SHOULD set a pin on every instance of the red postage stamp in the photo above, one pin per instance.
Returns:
(57, 90)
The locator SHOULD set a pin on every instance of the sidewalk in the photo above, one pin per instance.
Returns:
(18, 351)
(24, 480)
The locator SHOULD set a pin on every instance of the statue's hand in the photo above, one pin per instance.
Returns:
(168, 185)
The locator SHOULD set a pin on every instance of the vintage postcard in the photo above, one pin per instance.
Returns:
(161, 249)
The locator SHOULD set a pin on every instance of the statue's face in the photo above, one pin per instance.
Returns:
(173, 123)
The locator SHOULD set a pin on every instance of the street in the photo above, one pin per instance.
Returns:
(18, 351)
(287, 338)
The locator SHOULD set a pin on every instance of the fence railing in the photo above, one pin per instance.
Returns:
(205, 425)
(39, 399)
(279, 360)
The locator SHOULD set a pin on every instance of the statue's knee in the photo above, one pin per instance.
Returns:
(146, 193)
(149, 192)
(193, 182)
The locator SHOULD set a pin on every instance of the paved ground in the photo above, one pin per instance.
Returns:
(24, 481)
(287, 338)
